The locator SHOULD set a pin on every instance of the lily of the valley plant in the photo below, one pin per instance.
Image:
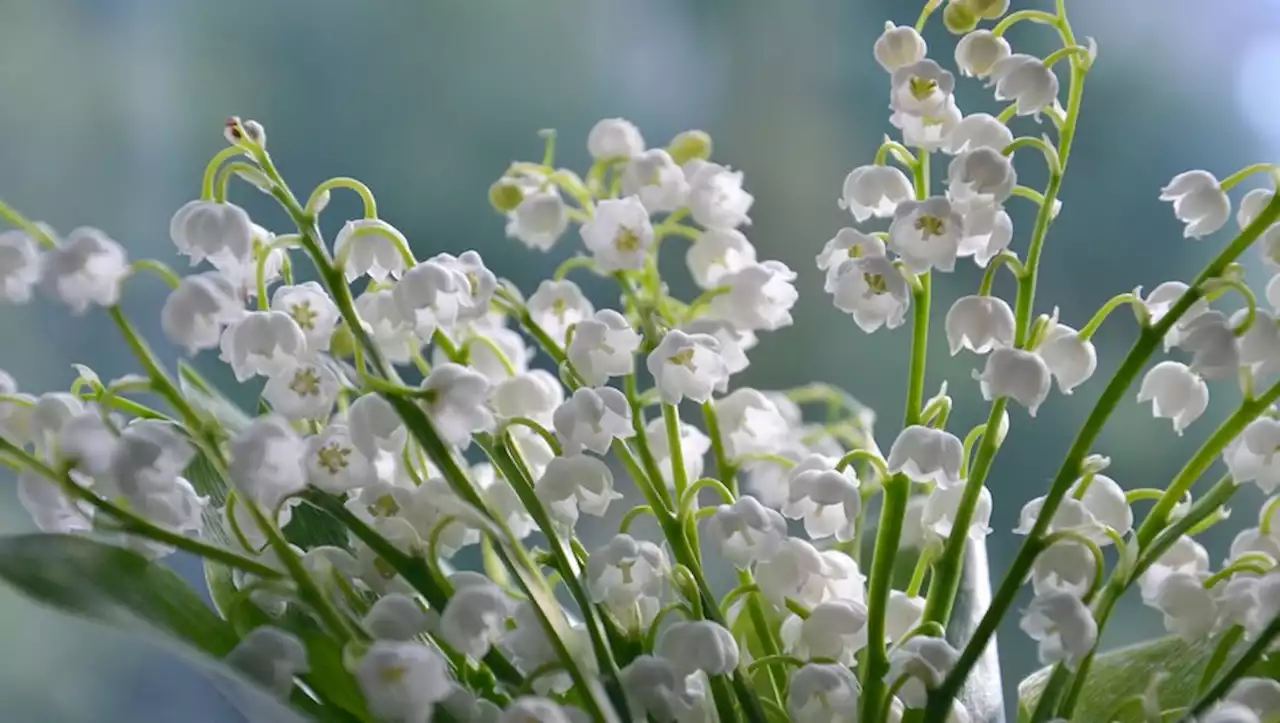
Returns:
(414, 409)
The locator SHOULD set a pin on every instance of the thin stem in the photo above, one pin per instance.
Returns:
(864, 455)
(675, 450)
(1112, 304)
(897, 492)
(1035, 16)
(634, 514)
(223, 181)
(1062, 53)
(1050, 157)
(541, 431)
(366, 196)
(160, 269)
(1251, 656)
(211, 170)
(1004, 258)
(1221, 653)
(899, 151)
(1231, 181)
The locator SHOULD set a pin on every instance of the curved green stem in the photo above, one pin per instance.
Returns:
(366, 196)
(1231, 181)
(1035, 16)
(223, 181)
(1004, 258)
(1112, 304)
(160, 269)
(1050, 157)
(211, 170)
(541, 431)
(863, 455)
(1251, 656)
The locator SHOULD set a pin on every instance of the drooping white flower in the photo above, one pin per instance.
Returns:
(926, 454)
(716, 196)
(843, 579)
(848, 243)
(312, 309)
(540, 219)
(370, 246)
(835, 629)
(196, 312)
(534, 394)
(978, 52)
(263, 342)
(979, 324)
(902, 615)
(687, 366)
(718, 253)
(576, 483)
(1227, 711)
(19, 266)
(1251, 457)
(333, 462)
(921, 88)
(872, 290)
(148, 455)
(455, 397)
(1019, 375)
(558, 305)
(85, 268)
(1071, 359)
(375, 427)
(1064, 565)
(1062, 625)
(270, 657)
(1259, 347)
(531, 709)
(620, 235)
(657, 180)
(614, 138)
(430, 296)
(797, 571)
(988, 230)
(268, 461)
(478, 285)
(305, 391)
(1252, 541)
(759, 297)
(694, 446)
(1176, 393)
(530, 647)
(828, 501)
(627, 577)
(978, 130)
(403, 681)
(654, 688)
(592, 419)
(1102, 506)
(1162, 299)
(395, 617)
(50, 508)
(924, 661)
(1190, 609)
(822, 693)
(1184, 555)
(1198, 201)
(981, 177)
(51, 411)
(1214, 347)
(875, 191)
(899, 46)
(734, 342)
(1269, 242)
(1261, 695)
(381, 318)
(926, 234)
(500, 353)
(750, 423)
(746, 531)
(699, 645)
(219, 232)
(434, 510)
(475, 618)
(931, 130)
(87, 443)
(1025, 80)
(940, 510)
(602, 347)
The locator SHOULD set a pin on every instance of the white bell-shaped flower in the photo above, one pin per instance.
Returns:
(979, 324)
(694, 446)
(899, 46)
(305, 391)
(619, 236)
(848, 243)
(19, 266)
(627, 577)
(1063, 627)
(51, 411)
(176, 507)
(1251, 457)
(403, 681)
(430, 296)
(455, 397)
(87, 443)
(540, 219)
(1025, 80)
(1214, 346)
(699, 645)
(981, 176)
(270, 657)
(530, 648)
(1162, 299)
(924, 662)
(375, 427)
(334, 464)
(926, 454)
(268, 461)
(828, 501)
(532, 709)
(978, 52)
(395, 617)
(872, 290)
(534, 394)
(263, 342)
(941, 506)
(759, 297)
(988, 230)
(196, 312)
(614, 138)
(1190, 609)
(1071, 359)
(1184, 555)
(503, 500)
(930, 131)
(369, 247)
(576, 483)
(654, 688)
(1102, 506)
(433, 509)
(86, 268)
(479, 284)
(1250, 206)
(1198, 201)
(921, 88)
(1261, 695)
(746, 531)
(875, 191)
(835, 629)
(1065, 565)
(687, 366)
(149, 455)
(1175, 393)
(902, 615)
(797, 571)
(716, 196)
(1266, 605)
(978, 130)
(822, 693)
(1259, 347)
(558, 305)
(1227, 711)
(312, 309)
(1019, 375)
(219, 232)
(750, 423)
(501, 351)
(926, 234)
(592, 419)
(1252, 541)
(50, 509)
(734, 342)
(381, 318)
(475, 618)
(657, 180)
(718, 253)
(602, 347)
(843, 578)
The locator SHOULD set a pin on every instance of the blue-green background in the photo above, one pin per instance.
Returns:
(110, 108)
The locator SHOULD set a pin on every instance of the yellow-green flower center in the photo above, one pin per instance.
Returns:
(306, 382)
(876, 283)
(626, 241)
(930, 226)
(922, 88)
(333, 457)
(304, 315)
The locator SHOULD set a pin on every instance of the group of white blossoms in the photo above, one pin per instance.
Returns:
(813, 587)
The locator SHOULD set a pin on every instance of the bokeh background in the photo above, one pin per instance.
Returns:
(110, 109)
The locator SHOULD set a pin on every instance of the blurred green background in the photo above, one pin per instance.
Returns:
(112, 107)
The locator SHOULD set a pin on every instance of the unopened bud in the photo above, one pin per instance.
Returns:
(689, 145)
(959, 18)
(505, 196)
(988, 9)
(342, 344)
(233, 130)
(255, 132)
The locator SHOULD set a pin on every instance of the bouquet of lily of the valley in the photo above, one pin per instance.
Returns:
(414, 409)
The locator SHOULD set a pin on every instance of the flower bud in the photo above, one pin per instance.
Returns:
(979, 51)
(614, 138)
(688, 145)
(505, 196)
(899, 46)
(986, 9)
(959, 18)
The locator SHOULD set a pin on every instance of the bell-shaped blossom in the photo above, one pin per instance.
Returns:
(931, 130)
(1025, 80)
(270, 657)
(219, 232)
(532, 709)
(899, 46)
(395, 617)
(718, 253)
(1175, 393)
(872, 290)
(19, 266)
(745, 532)
(558, 305)
(530, 647)
(1198, 201)
(430, 296)
(1252, 541)
(655, 689)
(500, 353)
(1162, 299)
(592, 419)
(759, 297)
(657, 180)
(196, 312)
(175, 507)
(941, 506)
(576, 483)
(1227, 711)
(1102, 506)
(148, 455)
(502, 499)
(436, 511)
(924, 662)
(716, 196)
(835, 629)
(1261, 695)
(381, 318)
(875, 191)
(979, 324)
(843, 578)
(848, 243)
(475, 618)
(687, 366)
(921, 88)
(1070, 358)
(1184, 555)
(988, 230)
(602, 347)
(1251, 457)
(455, 397)
(699, 645)
(1019, 375)
(478, 285)
(823, 692)
(51, 411)
(50, 508)
(86, 268)
(403, 681)
(263, 342)
(694, 446)
(1250, 206)
(1063, 627)
(619, 236)
(1259, 347)
(827, 500)
(627, 577)
(15, 412)
(734, 342)
(1214, 347)
(312, 309)
(534, 394)
(926, 454)
(305, 391)
(268, 461)
(1190, 609)
(797, 571)
(334, 464)
(1065, 565)
(614, 138)
(978, 130)
(540, 219)
(978, 52)
(375, 427)
(750, 423)
(926, 234)
(981, 177)
(370, 246)
(87, 443)
(902, 615)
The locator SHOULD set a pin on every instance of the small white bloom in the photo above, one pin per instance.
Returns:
(395, 617)
(370, 246)
(978, 130)
(843, 578)
(927, 455)
(267, 461)
(503, 500)
(430, 296)
(1214, 347)
(1019, 375)
(1175, 392)
(902, 615)
(501, 346)
(1260, 345)
(1198, 201)
(614, 138)
(1261, 695)
(381, 318)
(619, 236)
(592, 419)
(375, 427)
(1250, 206)
(988, 230)
(734, 342)
(602, 347)
(533, 394)
(926, 234)
(475, 618)
(716, 196)
(924, 661)
(558, 305)
(627, 576)
(1189, 609)
(477, 288)
(1229, 712)
(271, 657)
(718, 253)
(403, 681)
(1162, 299)
(981, 177)
(835, 629)
(848, 243)
(148, 455)
(694, 446)
(940, 509)
(219, 232)
(1185, 555)
(654, 688)
(88, 444)
(573, 483)
(312, 309)
(540, 219)
(1064, 565)
(921, 88)
(657, 180)
(746, 531)
(699, 645)
(750, 423)
(51, 411)
(1251, 457)
(455, 398)
(50, 509)
(263, 342)
(823, 693)
(828, 501)
(86, 268)
(759, 297)
(334, 464)
(978, 52)
(1071, 359)
(979, 324)
(875, 191)
(1025, 80)
(687, 366)
(1062, 625)
(899, 46)
(302, 392)
(872, 290)
(433, 509)
(196, 312)
(798, 571)
(530, 709)
(930, 131)
(19, 266)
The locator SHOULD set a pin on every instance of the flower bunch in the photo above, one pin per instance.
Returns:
(412, 410)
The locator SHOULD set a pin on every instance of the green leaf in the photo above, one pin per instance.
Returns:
(309, 527)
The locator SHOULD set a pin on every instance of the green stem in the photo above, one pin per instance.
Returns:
(211, 170)
(1231, 181)
(1112, 304)
(160, 269)
(366, 196)
(1004, 258)
(1251, 656)
(1221, 653)
(897, 492)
